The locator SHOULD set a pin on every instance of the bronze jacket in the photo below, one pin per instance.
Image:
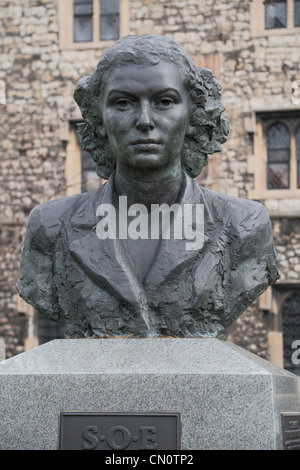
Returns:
(89, 285)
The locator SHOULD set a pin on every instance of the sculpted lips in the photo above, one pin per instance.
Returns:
(146, 144)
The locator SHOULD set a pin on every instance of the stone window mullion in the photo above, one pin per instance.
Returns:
(290, 14)
(96, 21)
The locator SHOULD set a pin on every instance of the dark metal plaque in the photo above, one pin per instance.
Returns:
(119, 431)
(291, 431)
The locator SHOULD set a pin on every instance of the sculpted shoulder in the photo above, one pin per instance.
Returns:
(249, 229)
(46, 220)
(244, 214)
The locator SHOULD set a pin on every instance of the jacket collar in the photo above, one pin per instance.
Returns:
(106, 261)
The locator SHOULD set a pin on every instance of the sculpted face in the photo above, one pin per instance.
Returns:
(145, 113)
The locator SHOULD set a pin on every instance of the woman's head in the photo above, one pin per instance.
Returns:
(207, 130)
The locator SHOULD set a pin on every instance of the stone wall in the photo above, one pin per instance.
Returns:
(255, 72)
(286, 234)
(13, 324)
(251, 331)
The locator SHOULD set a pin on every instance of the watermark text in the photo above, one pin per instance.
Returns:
(296, 353)
(178, 221)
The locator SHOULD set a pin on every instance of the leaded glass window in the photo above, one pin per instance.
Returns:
(278, 148)
(275, 14)
(83, 20)
(297, 13)
(291, 330)
(109, 19)
(49, 329)
(96, 20)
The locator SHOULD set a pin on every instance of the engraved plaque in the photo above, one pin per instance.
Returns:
(119, 431)
(291, 431)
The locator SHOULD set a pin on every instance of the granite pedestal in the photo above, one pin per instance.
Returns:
(227, 398)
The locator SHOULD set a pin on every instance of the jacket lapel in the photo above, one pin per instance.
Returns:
(107, 263)
(174, 255)
(105, 260)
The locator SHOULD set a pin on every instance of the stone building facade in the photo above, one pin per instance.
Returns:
(253, 49)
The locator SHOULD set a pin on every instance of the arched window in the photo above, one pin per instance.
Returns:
(291, 330)
(298, 154)
(278, 152)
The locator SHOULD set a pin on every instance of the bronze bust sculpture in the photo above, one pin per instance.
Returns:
(151, 117)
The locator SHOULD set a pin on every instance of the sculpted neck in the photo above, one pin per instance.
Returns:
(149, 186)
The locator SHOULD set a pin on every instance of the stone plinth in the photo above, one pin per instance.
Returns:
(227, 397)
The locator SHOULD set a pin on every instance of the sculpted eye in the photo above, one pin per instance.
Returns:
(165, 102)
(122, 104)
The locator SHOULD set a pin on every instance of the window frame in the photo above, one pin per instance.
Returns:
(270, 2)
(257, 20)
(279, 202)
(298, 2)
(291, 120)
(86, 15)
(66, 28)
(266, 128)
(105, 15)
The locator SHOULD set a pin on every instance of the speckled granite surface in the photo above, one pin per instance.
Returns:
(227, 397)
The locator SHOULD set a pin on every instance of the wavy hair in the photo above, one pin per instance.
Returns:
(207, 130)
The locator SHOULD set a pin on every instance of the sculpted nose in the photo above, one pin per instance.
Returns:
(145, 119)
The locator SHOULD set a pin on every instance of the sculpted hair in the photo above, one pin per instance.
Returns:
(207, 130)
